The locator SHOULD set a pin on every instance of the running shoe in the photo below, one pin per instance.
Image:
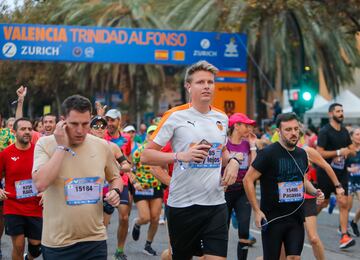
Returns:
(252, 239)
(332, 204)
(135, 231)
(161, 220)
(346, 241)
(148, 250)
(354, 228)
(120, 256)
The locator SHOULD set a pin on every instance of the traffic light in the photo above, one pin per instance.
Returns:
(302, 95)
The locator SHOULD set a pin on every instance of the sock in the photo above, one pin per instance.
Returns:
(148, 243)
(119, 250)
(242, 251)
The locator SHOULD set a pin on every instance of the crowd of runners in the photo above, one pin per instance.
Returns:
(63, 177)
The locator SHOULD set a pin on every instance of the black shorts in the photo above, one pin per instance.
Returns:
(327, 187)
(124, 196)
(94, 250)
(158, 193)
(30, 227)
(198, 230)
(310, 208)
(289, 231)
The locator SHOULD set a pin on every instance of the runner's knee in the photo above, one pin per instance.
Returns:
(34, 250)
(314, 240)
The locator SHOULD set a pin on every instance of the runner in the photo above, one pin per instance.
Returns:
(197, 218)
(135, 140)
(334, 145)
(114, 134)
(70, 167)
(148, 197)
(49, 124)
(281, 168)
(354, 181)
(97, 127)
(22, 210)
(241, 140)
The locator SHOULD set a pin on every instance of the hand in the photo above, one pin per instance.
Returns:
(340, 191)
(100, 110)
(21, 93)
(259, 215)
(252, 139)
(40, 194)
(345, 152)
(3, 194)
(60, 134)
(196, 153)
(319, 197)
(113, 198)
(230, 173)
(138, 186)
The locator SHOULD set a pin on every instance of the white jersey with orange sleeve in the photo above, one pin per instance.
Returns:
(194, 183)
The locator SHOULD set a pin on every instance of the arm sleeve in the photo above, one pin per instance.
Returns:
(41, 156)
(112, 170)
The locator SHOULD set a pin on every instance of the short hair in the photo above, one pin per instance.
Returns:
(333, 105)
(285, 117)
(76, 102)
(16, 123)
(202, 65)
(48, 114)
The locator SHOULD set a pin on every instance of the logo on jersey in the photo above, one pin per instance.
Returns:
(191, 123)
(219, 125)
(15, 158)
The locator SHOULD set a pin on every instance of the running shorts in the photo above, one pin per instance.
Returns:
(30, 227)
(310, 208)
(288, 231)
(326, 185)
(198, 230)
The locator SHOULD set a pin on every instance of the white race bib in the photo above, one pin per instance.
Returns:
(213, 159)
(83, 190)
(25, 189)
(291, 191)
(147, 192)
(338, 163)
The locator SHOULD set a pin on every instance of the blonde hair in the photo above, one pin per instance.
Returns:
(201, 65)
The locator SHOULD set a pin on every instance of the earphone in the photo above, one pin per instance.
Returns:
(303, 199)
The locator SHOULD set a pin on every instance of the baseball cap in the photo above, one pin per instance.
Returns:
(151, 128)
(129, 128)
(96, 119)
(113, 113)
(240, 118)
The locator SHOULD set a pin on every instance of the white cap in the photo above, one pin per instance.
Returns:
(113, 113)
(129, 128)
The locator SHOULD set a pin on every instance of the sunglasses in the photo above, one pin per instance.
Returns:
(97, 127)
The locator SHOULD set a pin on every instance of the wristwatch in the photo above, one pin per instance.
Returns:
(117, 191)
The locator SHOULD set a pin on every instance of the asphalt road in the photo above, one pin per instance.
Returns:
(327, 226)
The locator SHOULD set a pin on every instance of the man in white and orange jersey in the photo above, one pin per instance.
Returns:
(197, 132)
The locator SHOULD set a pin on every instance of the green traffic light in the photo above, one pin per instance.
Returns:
(307, 96)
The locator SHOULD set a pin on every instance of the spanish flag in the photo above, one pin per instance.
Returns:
(161, 55)
(178, 55)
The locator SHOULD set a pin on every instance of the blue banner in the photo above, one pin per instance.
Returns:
(121, 45)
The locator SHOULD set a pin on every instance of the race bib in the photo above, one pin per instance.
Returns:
(292, 191)
(83, 190)
(25, 189)
(338, 163)
(357, 172)
(147, 192)
(212, 161)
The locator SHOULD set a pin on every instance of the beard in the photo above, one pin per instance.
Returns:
(338, 120)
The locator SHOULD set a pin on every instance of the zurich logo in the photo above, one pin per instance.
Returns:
(205, 44)
(9, 50)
